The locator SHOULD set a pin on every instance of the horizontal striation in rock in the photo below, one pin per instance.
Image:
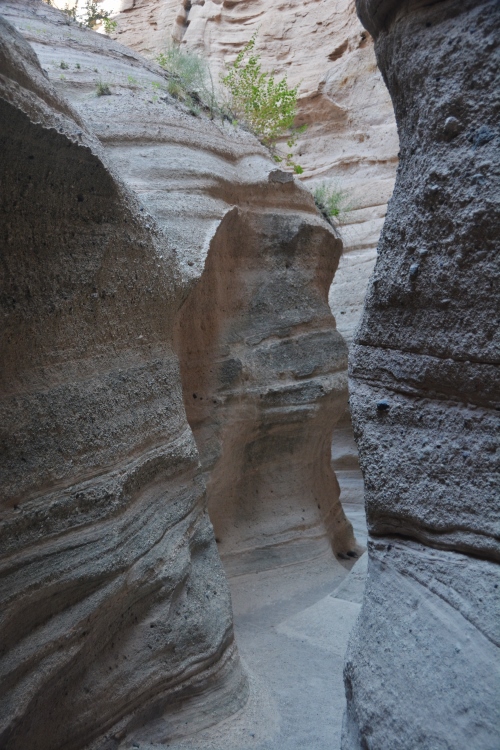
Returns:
(351, 141)
(114, 605)
(263, 371)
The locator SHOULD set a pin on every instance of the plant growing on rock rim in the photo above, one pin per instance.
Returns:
(90, 16)
(267, 107)
(191, 79)
(102, 89)
(333, 202)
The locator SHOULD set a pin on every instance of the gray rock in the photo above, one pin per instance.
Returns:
(421, 667)
(263, 417)
(116, 622)
(115, 611)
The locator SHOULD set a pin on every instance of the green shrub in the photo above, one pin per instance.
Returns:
(64, 65)
(102, 89)
(267, 107)
(191, 79)
(174, 88)
(189, 69)
(333, 202)
(90, 16)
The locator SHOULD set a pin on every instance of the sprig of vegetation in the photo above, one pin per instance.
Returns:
(268, 107)
(333, 201)
(102, 89)
(254, 98)
(90, 16)
(191, 79)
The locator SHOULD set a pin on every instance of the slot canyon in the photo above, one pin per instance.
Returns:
(249, 464)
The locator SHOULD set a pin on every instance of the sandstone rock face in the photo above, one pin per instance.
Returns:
(263, 370)
(351, 140)
(114, 604)
(116, 624)
(422, 666)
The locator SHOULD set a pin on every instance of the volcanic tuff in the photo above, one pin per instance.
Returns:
(351, 140)
(424, 384)
(118, 210)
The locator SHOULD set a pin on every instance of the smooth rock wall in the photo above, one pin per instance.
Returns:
(263, 370)
(188, 173)
(116, 625)
(422, 666)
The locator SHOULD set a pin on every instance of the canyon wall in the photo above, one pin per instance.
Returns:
(422, 666)
(115, 610)
(264, 378)
(351, 141)
(117, 210)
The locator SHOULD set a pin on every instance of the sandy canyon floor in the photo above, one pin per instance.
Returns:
(292, 626)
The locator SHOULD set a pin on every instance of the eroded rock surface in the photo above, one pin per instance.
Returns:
(116, 621)
(422, 670)
(114, 604)
(351, 140)
(263, 370)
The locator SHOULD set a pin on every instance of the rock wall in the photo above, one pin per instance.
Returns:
(115, 615)
(189, 172)
(351, 140)
(422, 668)
(263, 370)
(114, 607)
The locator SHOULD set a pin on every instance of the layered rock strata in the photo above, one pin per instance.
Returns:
(351, 141)
(422, 668)
(115, 615)
(263, 370)
(115, 609)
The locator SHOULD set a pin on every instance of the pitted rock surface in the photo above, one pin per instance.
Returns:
(421, 668)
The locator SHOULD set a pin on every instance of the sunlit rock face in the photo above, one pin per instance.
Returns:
(351, 140)
(116, 623)
(421, 668)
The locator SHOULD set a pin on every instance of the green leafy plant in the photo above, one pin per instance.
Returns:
(190, 79)
(64, 65)
(109, 25)
(268, 107)
(333, 202)
(90, 16)
(132, 81)
(78, 66)
(102, 89)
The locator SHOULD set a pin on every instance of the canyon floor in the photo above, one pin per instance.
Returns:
(292, 625)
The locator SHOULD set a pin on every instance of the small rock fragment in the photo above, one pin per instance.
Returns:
(452, 127)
